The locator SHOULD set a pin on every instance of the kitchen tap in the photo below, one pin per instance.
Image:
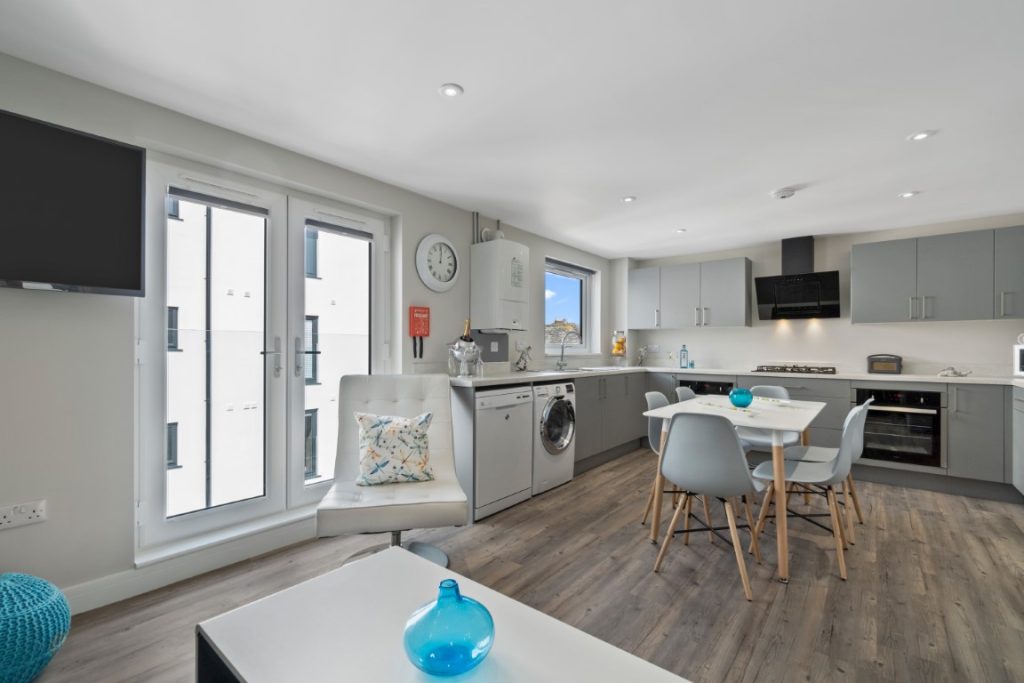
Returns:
(561, 364)
(641, 356)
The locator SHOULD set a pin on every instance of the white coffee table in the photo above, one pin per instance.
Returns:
(347, 625)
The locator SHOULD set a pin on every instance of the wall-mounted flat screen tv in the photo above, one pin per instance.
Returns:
(72, 210)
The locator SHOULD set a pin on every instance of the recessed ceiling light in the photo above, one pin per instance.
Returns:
(908, 195)
(922, 135)
(451, 90)
(629, 199)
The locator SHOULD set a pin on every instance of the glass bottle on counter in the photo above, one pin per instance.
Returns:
(684, 357)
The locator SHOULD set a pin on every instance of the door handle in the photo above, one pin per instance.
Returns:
(300, 356)
(276, 353)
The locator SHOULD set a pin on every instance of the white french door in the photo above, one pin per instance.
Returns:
(337, 262)
(257, 303)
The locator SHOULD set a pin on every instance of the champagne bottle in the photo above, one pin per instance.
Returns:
(465, 333)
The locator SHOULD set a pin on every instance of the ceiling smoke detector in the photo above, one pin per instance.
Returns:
(784, 193)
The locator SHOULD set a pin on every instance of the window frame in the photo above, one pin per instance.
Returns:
(588, 321)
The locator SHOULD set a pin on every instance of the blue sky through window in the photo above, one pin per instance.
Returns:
(562, 297)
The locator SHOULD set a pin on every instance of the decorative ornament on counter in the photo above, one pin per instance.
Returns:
(953, 372)
(741, 397)
(450, 635)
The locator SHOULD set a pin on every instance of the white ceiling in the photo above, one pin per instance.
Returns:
(698, 108)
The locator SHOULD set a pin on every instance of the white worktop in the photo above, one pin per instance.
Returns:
(535, 376)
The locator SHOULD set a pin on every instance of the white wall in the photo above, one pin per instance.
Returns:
(982, 346)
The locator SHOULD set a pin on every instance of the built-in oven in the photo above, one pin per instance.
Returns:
(905, 427)
(703, 387)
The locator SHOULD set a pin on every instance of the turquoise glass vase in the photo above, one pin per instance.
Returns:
(741, 397)
(450, 635)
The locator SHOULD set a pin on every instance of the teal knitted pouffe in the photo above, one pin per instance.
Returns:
(34, 621)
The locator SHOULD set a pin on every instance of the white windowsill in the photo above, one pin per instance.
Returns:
(193, 544)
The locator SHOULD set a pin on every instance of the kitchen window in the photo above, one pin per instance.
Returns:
(568, 310)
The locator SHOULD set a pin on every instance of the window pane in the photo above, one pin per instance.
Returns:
(310, 443)
(172, 445)
(311, 238)
(311, 346)
(215, 383)
(563, 308)
(172, 328)
(338, 300)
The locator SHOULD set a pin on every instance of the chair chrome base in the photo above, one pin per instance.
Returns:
(425, 550)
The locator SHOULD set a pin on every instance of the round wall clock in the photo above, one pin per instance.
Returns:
(437, 262)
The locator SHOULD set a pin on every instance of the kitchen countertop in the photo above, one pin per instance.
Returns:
(539, 376)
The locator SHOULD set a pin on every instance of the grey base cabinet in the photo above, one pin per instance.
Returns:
(1017, 468)
(609, 412)
(975, 445)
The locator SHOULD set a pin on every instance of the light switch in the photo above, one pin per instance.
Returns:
(494, 347)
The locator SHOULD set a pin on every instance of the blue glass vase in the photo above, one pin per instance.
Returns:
(450, 635)
(741, 397)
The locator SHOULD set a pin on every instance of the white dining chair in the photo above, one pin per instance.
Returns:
(655, 400)
(684, 394)
(761, 439)
(703, 456)
(824, 477)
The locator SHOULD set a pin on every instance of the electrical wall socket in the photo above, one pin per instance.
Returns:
(22, 514)
(654, 348)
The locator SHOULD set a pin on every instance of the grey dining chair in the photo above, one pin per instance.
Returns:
(820, 454)
(655, 399)
(684, 394)
(823, 477)
(761, 439)
(703, 456)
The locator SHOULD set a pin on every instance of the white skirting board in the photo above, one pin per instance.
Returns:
(122, 585)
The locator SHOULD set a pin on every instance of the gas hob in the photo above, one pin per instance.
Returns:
(798, 369)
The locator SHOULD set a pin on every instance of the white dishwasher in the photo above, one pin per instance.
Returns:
(503, 449)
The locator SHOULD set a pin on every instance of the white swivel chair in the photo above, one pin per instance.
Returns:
(351, 509)
(761, 439)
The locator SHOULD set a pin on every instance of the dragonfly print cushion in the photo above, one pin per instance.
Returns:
(393, 450)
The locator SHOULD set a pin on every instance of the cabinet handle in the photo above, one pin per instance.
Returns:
(696, 316)
(955, 407)
(657, 317)
(924, 307)
(910, 308)
(1002, 304)
(704, 317)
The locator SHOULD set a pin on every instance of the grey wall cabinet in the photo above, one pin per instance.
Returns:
(680, 296)
(1017, 470)
(883, 282)
(609, 412)
(1009, 273)
(954, 276)
(960, 276)
(975, 446)
(725, 293)
(588, 417)
(710, 294)
(644, 299)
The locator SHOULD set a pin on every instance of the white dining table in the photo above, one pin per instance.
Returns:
(776, 415)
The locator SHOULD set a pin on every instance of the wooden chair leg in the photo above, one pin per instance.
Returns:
(837, 530)
(807, 496)
(848, 514)
(856, 500)
(650, 502)
(688, 504)
(669, 534)
(750, 527)
(766, 504)
(707, 518)
(736, 547)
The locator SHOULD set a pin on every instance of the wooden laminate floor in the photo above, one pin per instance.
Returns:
(936, 590)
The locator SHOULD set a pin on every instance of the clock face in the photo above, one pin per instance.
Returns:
(441, 262)
(437, 262)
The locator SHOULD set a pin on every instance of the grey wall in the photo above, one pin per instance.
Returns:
(981, 345)
(67, 405)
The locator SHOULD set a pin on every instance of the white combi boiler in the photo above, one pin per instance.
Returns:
(554, 438)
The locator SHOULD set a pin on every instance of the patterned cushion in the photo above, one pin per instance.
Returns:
(393, 450)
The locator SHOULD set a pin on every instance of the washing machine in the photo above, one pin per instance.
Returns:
(554, 438)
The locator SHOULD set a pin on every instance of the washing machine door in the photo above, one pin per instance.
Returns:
(557, 425)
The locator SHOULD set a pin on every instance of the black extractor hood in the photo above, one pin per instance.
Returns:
(799, 292)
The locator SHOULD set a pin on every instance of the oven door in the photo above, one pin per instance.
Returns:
(905, 434)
